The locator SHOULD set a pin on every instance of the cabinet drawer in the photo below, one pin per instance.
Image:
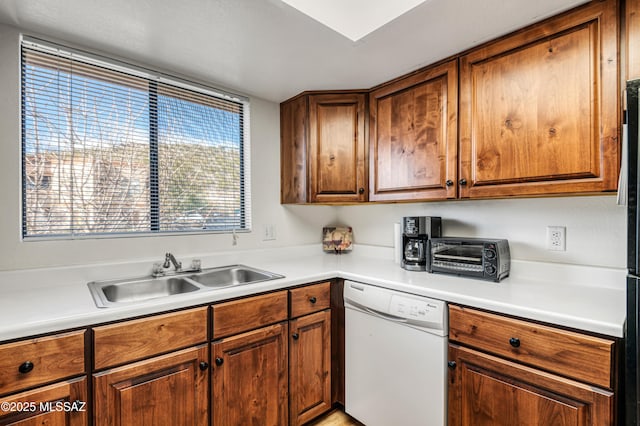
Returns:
(72, 393)
(567, 353)
(133, 340)
(33, 362)
(246, 314)
(312, 298)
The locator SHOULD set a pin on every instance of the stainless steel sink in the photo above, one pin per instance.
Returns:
(128, 291)
(234, 275)
(115, 293)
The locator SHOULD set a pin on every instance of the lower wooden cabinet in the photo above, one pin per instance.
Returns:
(171, 389)
(507, 371)
(60, 404)
(309, 366)
(491, 391)
(250, 378)
(269, 365)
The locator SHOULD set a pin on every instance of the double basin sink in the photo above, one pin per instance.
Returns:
(120, 292)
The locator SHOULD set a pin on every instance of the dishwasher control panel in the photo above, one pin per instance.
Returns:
(409, 308)
(417, 311)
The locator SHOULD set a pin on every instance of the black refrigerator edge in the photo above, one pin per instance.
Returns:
(631, 379)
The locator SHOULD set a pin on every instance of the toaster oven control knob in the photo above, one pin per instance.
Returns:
(490, 269)
(490, 254)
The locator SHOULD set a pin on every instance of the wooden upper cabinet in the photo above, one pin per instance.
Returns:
(539, 109)
(293, 150)
(323, 148)
(632, 38)
(413, 136)
(337, 166)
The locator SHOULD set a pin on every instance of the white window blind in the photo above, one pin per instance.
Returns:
(109, 149)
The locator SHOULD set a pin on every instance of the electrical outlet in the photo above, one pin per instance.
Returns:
(556, 238)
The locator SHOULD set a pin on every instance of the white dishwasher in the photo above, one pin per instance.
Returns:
(395, 357)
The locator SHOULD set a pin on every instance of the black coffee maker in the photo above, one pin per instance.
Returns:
(416, 232)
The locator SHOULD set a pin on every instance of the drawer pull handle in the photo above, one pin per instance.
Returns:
(452, 365)
(219, 361)
(515, 342)
(295, 336)
(204, 365)
(25, 367)
(312, 299)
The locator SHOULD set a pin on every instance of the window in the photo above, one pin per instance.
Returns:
(111, 149)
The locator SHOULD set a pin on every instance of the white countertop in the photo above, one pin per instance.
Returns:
(586, 298)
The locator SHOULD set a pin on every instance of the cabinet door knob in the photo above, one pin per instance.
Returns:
(312, 299)
(203, 365)
(219, 361)
(25, 367)
(449, 182)
(361, 191)
(462, 182)
(295, 336)
(452, 365)
(515, 342)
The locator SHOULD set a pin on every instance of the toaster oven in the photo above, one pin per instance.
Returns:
(487, 259)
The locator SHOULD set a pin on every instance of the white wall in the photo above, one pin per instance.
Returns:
(596, 226)
(294, 224)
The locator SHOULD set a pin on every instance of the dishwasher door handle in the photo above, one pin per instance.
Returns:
(384, 316)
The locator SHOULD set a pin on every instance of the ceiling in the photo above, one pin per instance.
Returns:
(266, 48)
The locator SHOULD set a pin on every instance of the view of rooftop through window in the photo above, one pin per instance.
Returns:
(108, 152)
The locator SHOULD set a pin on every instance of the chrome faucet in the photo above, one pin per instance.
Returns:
(170, 259)
(160, 269)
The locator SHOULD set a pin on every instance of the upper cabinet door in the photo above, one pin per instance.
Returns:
(293, 151)
(539, 109)
(413, 136)
(632, 38)
(337, 167)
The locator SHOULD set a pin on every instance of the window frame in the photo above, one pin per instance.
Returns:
(154, 78)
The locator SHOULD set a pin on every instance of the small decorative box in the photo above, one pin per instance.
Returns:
(336, 239)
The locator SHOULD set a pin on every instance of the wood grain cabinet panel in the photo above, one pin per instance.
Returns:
(539, 109)
(294, 122)
(337, 166)
(167, 390)
(309, 299)
(250, 378)
(579, 356)
(142, 338)
(245, 314)
(309, 366)
(33, 362)
(413, 136)
(323, 150)
(632, 38)
(488, 391)
(60, 404)
(505, 371)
